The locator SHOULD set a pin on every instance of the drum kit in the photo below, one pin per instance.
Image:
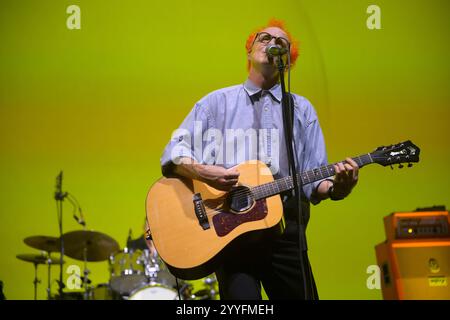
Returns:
(135, 274)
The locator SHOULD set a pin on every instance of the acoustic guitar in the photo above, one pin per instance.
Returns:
(191, 223)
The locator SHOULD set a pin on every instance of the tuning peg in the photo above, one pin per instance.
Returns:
(400, 166)
(410, 165)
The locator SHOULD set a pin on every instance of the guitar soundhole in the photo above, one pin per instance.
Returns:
(240, 199)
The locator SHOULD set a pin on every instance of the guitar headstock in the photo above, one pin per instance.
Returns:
(404, 152)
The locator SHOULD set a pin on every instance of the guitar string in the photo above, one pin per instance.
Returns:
(323, 170)
(240, 194)
(212, 212)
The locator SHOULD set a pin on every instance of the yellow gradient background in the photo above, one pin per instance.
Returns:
(100, 104)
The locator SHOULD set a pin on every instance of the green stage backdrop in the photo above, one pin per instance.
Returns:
(101, 102)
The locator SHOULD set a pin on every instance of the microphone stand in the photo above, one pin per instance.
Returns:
(288, 114)
(59, 197)
(81, 221)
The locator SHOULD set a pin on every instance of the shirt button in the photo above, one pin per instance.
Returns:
(266, 109)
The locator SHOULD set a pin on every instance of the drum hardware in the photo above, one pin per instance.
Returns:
(151, 265)
(85, 273)
(59, 198)
(126, 272)
(81, 245)
(141, 275)
(208, 293)
(211, 282)
(47, 245)
(135, 274)
(86, 245)
(37, 259)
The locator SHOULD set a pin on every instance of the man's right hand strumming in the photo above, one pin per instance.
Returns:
(215, 176)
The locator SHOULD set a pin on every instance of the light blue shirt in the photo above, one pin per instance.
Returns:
(244, 122)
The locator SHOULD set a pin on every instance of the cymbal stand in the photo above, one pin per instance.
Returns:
(35, 281)
(49, 261)
(85, 273)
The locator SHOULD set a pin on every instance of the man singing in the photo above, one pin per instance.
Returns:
(255, 106)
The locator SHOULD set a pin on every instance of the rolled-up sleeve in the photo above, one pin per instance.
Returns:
(187, 140)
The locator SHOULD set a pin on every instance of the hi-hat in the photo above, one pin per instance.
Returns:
(38, 258)
(45, 243)
(96, 245)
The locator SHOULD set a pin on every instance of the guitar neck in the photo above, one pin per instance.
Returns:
(284, 184)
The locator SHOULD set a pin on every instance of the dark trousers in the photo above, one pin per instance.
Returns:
(273, 261)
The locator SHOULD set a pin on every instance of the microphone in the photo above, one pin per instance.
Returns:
(59, 195)
(274, 50)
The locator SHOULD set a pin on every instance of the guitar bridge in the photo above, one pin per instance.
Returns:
(200, 211)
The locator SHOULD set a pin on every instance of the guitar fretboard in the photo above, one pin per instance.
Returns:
(284, 184)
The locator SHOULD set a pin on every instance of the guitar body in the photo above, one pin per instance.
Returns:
(190, 250)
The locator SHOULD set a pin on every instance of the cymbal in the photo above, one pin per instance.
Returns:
(46, 243)
(38, 258)
(99, 246)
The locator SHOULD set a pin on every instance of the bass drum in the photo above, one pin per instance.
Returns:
(154, 291)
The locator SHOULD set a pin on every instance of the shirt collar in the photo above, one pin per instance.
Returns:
(255, 92)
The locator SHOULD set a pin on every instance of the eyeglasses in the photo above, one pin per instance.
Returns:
(265, 38)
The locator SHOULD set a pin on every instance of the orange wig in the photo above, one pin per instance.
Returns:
(279, 24)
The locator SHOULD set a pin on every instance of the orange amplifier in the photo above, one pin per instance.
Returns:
(417, 224)
(415, 258)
